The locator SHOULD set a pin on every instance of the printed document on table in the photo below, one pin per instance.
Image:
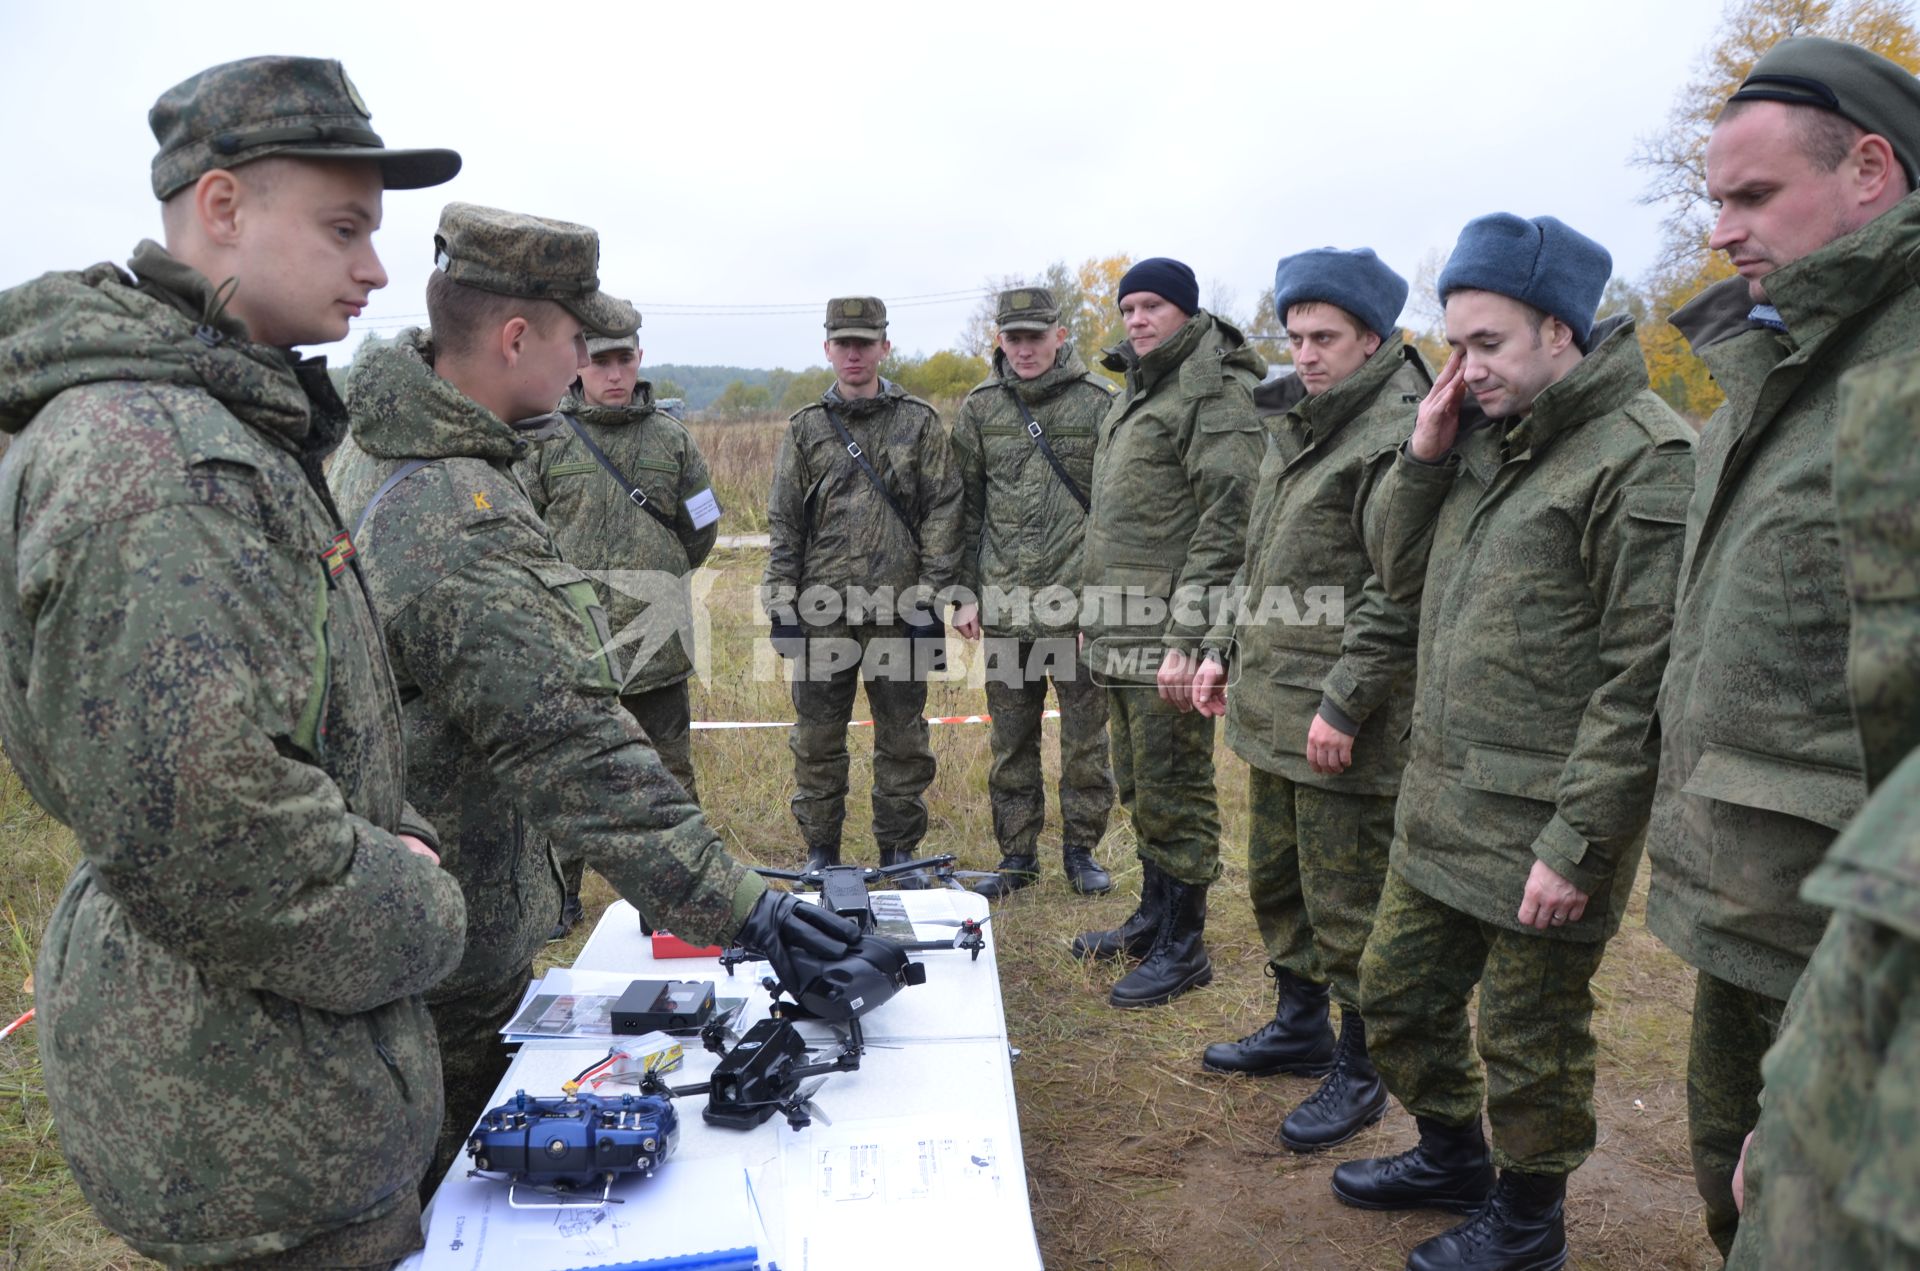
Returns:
(877, 1183)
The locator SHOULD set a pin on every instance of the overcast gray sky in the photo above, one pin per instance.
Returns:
(803, 151)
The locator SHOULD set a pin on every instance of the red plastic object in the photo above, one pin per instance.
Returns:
(668, 945)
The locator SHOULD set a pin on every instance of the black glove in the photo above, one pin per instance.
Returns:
(822, 960)
(929, 645)
(789, 641)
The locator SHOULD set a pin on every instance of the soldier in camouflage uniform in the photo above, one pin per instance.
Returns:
(877, 561)
(1760, 767)
(1543, 549)
(1173, 474)
(637, 554)
(516, 735)
(1833, 1173)
(1321, 701)
(1020, 548)
(234, 1044)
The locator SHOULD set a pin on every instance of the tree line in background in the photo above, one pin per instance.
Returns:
(1674, 158)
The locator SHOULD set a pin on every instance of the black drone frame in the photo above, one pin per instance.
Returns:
(843, 890)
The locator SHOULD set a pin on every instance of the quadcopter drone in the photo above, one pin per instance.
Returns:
(843, 890)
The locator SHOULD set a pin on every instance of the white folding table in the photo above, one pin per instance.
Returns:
(919, 1167)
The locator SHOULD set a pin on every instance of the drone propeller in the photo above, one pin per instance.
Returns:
(964, 923)
(801, 1110)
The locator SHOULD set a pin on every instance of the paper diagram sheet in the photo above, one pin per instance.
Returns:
(688, 1207)
(884, 1183)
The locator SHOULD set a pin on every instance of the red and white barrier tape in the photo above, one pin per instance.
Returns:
(9, 1028)
(728, 725)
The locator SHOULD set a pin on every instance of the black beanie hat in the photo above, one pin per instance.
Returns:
(1166, 278)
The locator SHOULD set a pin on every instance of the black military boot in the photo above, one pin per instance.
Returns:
(1132, 938)
(1015, 871)
(1085, 873)
(821, 857)
(1523, 1228)
(916, 881)
(570, 915)
(1351, 1098)
(1450, 1168)
(1297, 1041)
(1178, 959)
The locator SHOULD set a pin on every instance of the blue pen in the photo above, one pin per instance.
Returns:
(745, 1259)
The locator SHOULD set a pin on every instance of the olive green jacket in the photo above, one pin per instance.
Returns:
(1543, 554)
(514, 732)
(830, 528)
(1314, 621)
(231, 1028)
(1753, 710)
(1022, 529)
(1173, 478)
(1837, 1157)
(638, 566)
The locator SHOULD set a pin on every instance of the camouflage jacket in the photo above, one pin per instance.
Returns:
(831, 528)
(637, 565)
(1022, 528)
(1314, 621)
(194, 683)
(1843, 1082)
(1173, 475)
(1543, 554)
(514, 732)
(1754, 711)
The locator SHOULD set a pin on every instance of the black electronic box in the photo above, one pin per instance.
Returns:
(665, 1005)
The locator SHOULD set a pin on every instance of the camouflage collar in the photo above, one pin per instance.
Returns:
(1164, 359)
(1850, 275)
(187, 290)
(857, 407)
(401, 409)
(1066, 371)
(1605, 380)
(165, 323)
(612, 416)
(1323, 414)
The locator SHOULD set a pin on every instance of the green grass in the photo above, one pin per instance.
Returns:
(1136, 1159)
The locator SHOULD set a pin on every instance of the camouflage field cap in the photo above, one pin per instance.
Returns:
(607, 343)
(856, 318)
(513, 254)
(1027, 309)
(300, 107)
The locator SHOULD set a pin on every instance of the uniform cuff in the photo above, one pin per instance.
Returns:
(1560, 846)
(1444, 461)
(419, 827)
(1336, 718)
(746, 894)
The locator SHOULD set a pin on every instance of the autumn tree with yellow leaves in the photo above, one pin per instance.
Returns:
(1676, 160)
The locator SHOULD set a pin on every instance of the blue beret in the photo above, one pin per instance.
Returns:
(1357, 281)
(1543, 262)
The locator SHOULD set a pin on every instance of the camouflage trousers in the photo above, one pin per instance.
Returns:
(902, 759)
(1017, 786)
(473, 1059)
(1163, 766)
(1732, 1029)
(1315, 862)
(1831, 1176)
(666, 717)
(1535, 1026)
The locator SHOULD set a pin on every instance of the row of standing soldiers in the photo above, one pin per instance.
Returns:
(1566, 635)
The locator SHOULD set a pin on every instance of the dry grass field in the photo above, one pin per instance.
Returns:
(1136, 1159)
